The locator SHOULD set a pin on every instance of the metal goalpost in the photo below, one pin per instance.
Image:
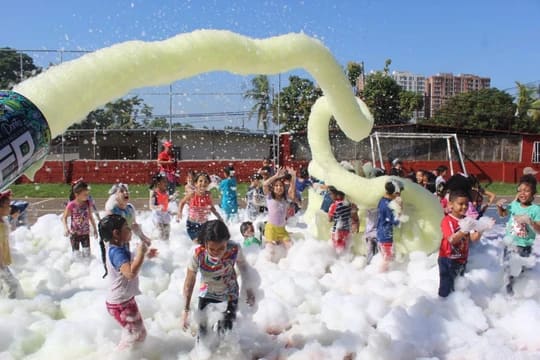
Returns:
(376, 153)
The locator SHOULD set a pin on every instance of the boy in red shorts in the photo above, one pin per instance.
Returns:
(342, 214)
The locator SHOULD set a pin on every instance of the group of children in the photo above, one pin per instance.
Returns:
(215, 256)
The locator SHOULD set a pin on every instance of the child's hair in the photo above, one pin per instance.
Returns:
(441, 189)
(245, 226)
(337, 193)
(191, 173)
(454, 194)
(272, 193)
(106, 227)
(393, 187)
(77, 187)
(229, 170)
(256, 176)
(213, 230)
(441, 168)
(156, 179)
(203, 174)
(117, 187)
(529, 180)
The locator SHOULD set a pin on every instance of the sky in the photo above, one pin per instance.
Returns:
(495, 39)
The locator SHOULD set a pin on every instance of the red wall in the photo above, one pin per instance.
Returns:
(140, 172)
(132, 171)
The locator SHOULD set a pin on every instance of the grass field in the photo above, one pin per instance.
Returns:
(141, 191)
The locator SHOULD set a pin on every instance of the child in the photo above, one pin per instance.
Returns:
(124, 270)
(7, 280)
(118, 203)
(454, 249)
(275, 234)
(523, 224)
(248, 232)
(255, 200)
(227, 187)
(215, 258)
(159, 204)
(386, 221)
(340, 213)
(79, 210)
(200, 205)
(190, 182)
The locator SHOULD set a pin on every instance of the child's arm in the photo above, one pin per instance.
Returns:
(92, 221)
(183, 202)
(65, 216)
(215, 212)
(501, 209)
(292, 188)
(247, 279)
(131, 269)
(189, 284)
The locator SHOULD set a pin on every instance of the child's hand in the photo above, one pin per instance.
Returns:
(250, 300)
(152, 253)
(467, 224)
(523, 219)
(185, 320)
(501, 203)
(67, 233)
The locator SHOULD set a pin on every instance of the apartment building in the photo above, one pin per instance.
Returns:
(411, 82)
(439, 88)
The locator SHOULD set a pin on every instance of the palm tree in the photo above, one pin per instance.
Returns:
(260, 94)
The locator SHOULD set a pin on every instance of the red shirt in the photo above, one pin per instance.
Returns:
(165, 156)
(458, 252)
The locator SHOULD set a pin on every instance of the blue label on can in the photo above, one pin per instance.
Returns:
(25, 136)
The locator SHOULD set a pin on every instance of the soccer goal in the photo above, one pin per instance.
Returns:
(416, 146)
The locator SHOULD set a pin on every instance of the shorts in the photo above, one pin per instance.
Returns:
(78, 240)
(193, 229)
(387, 251)
(128, 316)
(229, 315)
(449, 270)
(275, 234)
(340, 239)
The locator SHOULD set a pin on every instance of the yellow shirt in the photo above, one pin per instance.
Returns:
(5, 253)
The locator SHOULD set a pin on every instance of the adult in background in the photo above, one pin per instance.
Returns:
(397, 168)
(167, 165)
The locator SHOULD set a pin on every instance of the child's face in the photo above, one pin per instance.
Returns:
(459, 206)
(122, 196)
(419, 176)
(216, 249)
(83, 195)
(162, 184)
(249, 232)
(524, 193)
(202, 183)
(125, 234)
(279, 188)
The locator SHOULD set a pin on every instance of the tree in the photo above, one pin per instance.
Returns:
(260, 94)
(409, 102)
(528, 111)
(120, 114)
(481, 109)
(11, 64)
(354, 71)
(382, 95)
(295, 103)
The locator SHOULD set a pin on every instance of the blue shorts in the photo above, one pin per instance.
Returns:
(193, 229)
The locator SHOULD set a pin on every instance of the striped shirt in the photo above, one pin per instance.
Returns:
(340, 211)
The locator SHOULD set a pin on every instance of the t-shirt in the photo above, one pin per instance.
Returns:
(121, 289)
(458, 252)
(218, 277)
(80, 217)
(229, 202)
(522, 234)
(340, 211)
(199, 207)
(166, 168)
(385, 222)
(127, 213)
(300, 186)
(277, 211)
(161, 201)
